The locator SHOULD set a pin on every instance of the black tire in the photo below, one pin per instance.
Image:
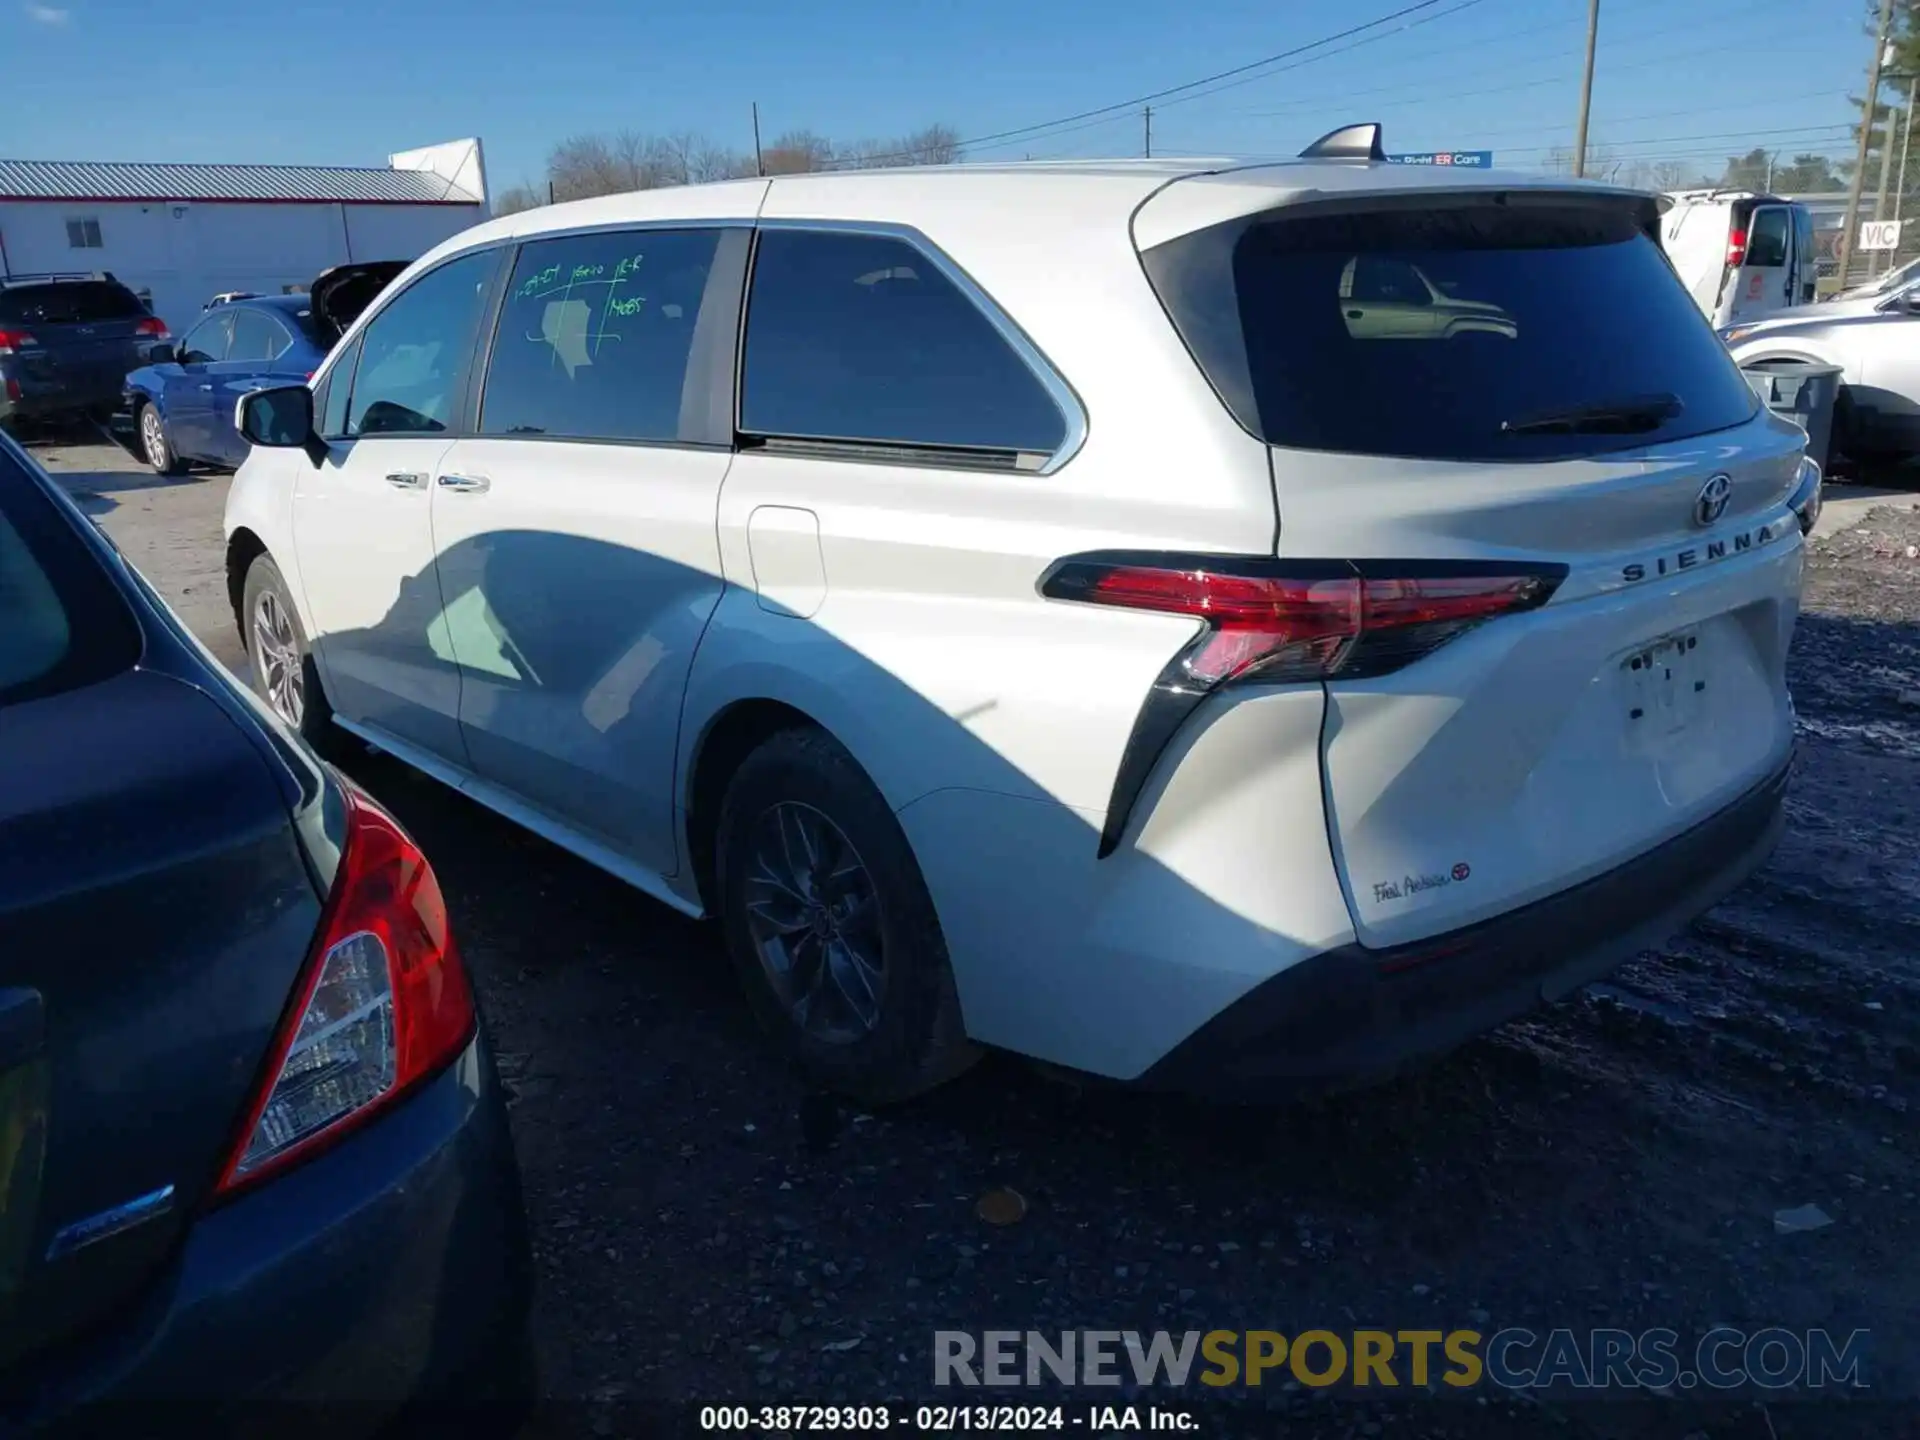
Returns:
(917, 1041)
(155, 448)
(312, 716)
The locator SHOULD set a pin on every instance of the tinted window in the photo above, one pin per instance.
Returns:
(62, 624)
(1523, 315)
(256, 336)
(414, 354)
(69, 302)
(595, 333)
(208, 341)
(1767, 241)
(330, 406)
(861, 337)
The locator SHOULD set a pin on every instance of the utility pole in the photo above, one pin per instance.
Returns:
(1147, 115)
(1586, 89)
(759, 165)
(1906, 139)
(1771, 156)
(1886, 171)
(1852, 222)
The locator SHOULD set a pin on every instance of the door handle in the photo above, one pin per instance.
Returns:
(408, 480)
(468, 484)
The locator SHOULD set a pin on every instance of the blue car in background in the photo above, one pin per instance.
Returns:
(182, 400)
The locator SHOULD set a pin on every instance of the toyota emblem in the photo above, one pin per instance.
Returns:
(1711, 503)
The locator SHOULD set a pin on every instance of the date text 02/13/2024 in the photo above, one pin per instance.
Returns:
(946, 1419)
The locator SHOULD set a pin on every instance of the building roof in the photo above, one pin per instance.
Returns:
(115, 180)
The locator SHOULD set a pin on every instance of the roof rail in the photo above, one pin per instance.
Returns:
(40, 277)
(1349, 142)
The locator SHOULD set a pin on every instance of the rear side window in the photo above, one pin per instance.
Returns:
(62, 623)
(1476, 333)
(415, 353)
(256, 336)
(595, 335)
(862, 338)
(69, 302)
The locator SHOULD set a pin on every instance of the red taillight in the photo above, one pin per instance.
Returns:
(12, 342)
(1313, 624)
(1280, 621)
(1737, 248)
(153, 327)
(13, 388)
(382, 1004)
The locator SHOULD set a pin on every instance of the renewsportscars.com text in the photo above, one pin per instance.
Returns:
(1720, 1359)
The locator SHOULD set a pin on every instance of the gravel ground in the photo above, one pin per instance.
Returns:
(708, 1233)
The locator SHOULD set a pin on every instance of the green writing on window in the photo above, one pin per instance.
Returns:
(626, 307)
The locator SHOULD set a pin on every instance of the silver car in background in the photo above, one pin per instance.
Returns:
(1875, 340)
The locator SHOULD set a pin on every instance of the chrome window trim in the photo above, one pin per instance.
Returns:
(1072, 412)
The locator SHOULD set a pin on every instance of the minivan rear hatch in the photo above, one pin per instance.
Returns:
(1486, 383)
(86, 334)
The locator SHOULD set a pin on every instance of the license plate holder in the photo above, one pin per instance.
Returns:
(1665, 686)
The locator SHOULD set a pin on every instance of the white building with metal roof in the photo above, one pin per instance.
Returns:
(182, 234)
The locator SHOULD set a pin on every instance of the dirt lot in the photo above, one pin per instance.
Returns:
(707, 1233)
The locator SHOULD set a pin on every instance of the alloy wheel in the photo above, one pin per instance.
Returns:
(814, 914)
(153, 437)
(277, 658)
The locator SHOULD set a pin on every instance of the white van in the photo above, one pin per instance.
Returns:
(1741, 254)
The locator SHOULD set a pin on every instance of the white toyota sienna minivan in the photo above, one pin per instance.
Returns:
(1231, 627)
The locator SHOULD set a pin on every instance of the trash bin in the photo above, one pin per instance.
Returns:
(1804, 393)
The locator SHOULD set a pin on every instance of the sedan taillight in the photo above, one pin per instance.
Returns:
(382, 1004)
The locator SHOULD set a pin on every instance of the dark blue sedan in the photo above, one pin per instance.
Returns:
(252, 1143)
(182, 401)
(183, 407)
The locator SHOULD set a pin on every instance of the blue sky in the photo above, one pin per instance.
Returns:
(226, 80)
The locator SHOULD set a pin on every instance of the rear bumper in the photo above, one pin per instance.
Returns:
(37, 397)
(392, 1271)
(1354, 1015)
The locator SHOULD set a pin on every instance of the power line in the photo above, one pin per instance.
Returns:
(1611, 48)
(1137, 101)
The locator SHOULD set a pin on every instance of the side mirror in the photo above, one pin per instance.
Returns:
(161, 353)
(1910, 301)
(277, 419)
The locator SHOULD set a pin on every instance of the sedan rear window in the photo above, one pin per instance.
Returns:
(62, 623)
(1478, 332)
(69, 302)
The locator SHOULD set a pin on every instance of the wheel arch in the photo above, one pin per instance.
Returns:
(730, 735)
(243, 548)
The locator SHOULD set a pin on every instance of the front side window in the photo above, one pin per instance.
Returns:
(595, 335)
(208, 341)
(256, 337)
(330, 405)
(415, 352)
(862, 338)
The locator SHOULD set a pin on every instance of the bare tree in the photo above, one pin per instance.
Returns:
(798, 152)
(609, 164)
(516, 198)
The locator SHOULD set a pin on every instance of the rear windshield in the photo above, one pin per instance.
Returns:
(69, 302)
(62, 623)
(1473, 333)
